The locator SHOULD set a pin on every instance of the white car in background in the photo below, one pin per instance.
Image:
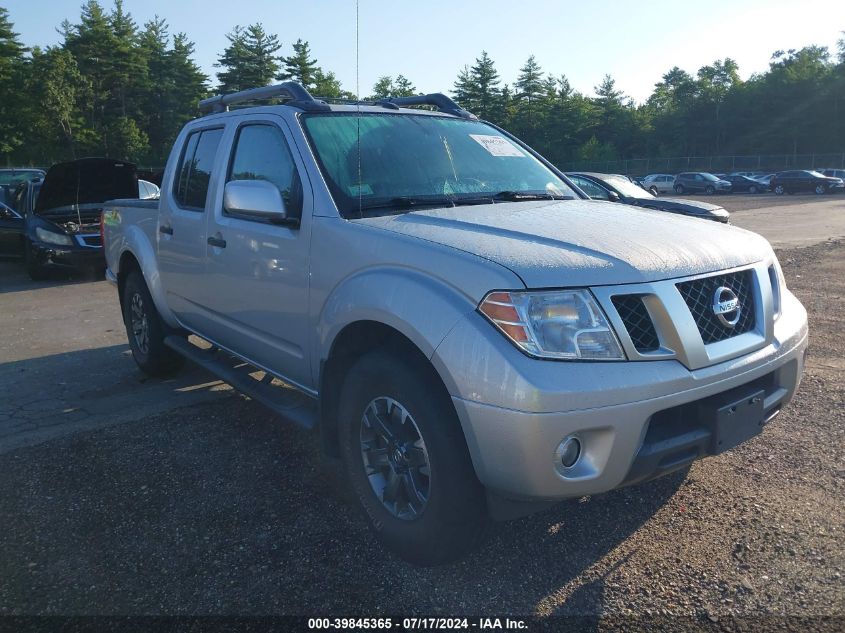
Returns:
(659, 183)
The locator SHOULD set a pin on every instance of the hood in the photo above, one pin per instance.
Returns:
(88, 182)
(582, 242)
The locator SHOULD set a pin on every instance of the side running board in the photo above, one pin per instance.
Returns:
(286, 401)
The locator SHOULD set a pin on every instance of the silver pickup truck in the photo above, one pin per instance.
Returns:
(472, 335)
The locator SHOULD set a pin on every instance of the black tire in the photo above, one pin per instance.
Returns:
(779, 190)
(820, 189)
(709, 190)
(451, 518)
(653, 191)
(679, 189)
(146, 330)
(753, 189)
(34, 269)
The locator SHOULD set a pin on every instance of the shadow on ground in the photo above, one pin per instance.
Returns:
(222, 509)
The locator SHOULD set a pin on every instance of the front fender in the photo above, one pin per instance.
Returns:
(420, 307)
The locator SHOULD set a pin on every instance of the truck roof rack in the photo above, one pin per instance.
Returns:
(295, 94)
(437, 99)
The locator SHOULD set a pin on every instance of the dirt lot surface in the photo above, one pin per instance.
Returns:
(122, 495)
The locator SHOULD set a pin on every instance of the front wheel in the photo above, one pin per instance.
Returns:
(405, 456)
(752, 189)
(709, 190)
(779, 190)
(146, 330)
(653, 191)
(820, 189)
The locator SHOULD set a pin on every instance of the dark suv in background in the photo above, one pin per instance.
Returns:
(700, 181)
(804, 180)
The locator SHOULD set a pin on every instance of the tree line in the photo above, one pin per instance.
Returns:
(117, 89)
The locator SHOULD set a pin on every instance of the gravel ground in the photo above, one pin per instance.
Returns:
(220, 509)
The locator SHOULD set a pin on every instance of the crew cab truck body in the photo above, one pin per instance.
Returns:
(478, 336)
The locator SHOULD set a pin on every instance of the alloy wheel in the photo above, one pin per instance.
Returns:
(395, 458)
(140, 324)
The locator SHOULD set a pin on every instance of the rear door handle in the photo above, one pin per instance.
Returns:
(167, 230)
(219, 242)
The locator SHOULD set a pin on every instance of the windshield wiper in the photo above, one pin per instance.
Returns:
(509, 196)
(407, 202)
(518, 196)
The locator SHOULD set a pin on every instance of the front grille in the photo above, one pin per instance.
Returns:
(637, 321)
(699, 296)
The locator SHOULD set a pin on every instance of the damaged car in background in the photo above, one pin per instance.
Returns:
(62, 227)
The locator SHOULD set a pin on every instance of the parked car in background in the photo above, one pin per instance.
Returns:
(765, 180)
(615, 188)
(745, 184)
(749, 174)
(700, 182)
(833, 173)
(798, 180)
(148, 190)
(10, 178)
(11, 232)
(62, 229)
(659, 183)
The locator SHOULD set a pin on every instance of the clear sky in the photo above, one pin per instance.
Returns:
(429, 41)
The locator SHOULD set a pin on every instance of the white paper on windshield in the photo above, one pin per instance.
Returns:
(497, 145)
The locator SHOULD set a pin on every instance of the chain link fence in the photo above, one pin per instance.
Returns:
(767, 163)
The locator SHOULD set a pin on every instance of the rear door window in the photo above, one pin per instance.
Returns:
(194, 171)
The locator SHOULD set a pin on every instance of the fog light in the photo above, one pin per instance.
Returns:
(569, 451)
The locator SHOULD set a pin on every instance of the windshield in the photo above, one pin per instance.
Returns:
(626, 187)
(709, 177)
(408, 159)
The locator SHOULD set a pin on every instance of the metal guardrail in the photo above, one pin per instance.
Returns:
(717, 164)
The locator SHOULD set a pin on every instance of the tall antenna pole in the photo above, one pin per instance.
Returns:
(358, 105)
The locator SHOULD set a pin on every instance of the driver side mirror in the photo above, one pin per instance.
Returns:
(255, 199)
(613, 196)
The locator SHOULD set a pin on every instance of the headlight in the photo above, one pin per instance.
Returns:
(561, 324)
(51, 237)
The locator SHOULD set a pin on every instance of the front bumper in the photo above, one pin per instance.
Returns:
(515, 410)
(66, 257)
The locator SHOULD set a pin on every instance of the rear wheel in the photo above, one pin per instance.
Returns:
(406, 458)
(146, 330)
(779, 190)
(679, 189)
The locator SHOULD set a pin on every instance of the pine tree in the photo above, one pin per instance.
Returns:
(486, 91)
(300, 66)
(12, 69)
(386, 86)
(250, 59)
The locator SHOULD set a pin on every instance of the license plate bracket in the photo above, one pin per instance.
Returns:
(736, 422)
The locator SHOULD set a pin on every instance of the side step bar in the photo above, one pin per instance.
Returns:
(286, 401)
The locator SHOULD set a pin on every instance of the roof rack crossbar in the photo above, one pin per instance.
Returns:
(295, 94)
(437, 99)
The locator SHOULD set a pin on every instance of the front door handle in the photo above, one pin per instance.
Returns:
(219, 242)
(167, 230)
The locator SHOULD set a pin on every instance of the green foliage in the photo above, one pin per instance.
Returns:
(387, 86)
(250, 59)
(300, 66)
(116, 89)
